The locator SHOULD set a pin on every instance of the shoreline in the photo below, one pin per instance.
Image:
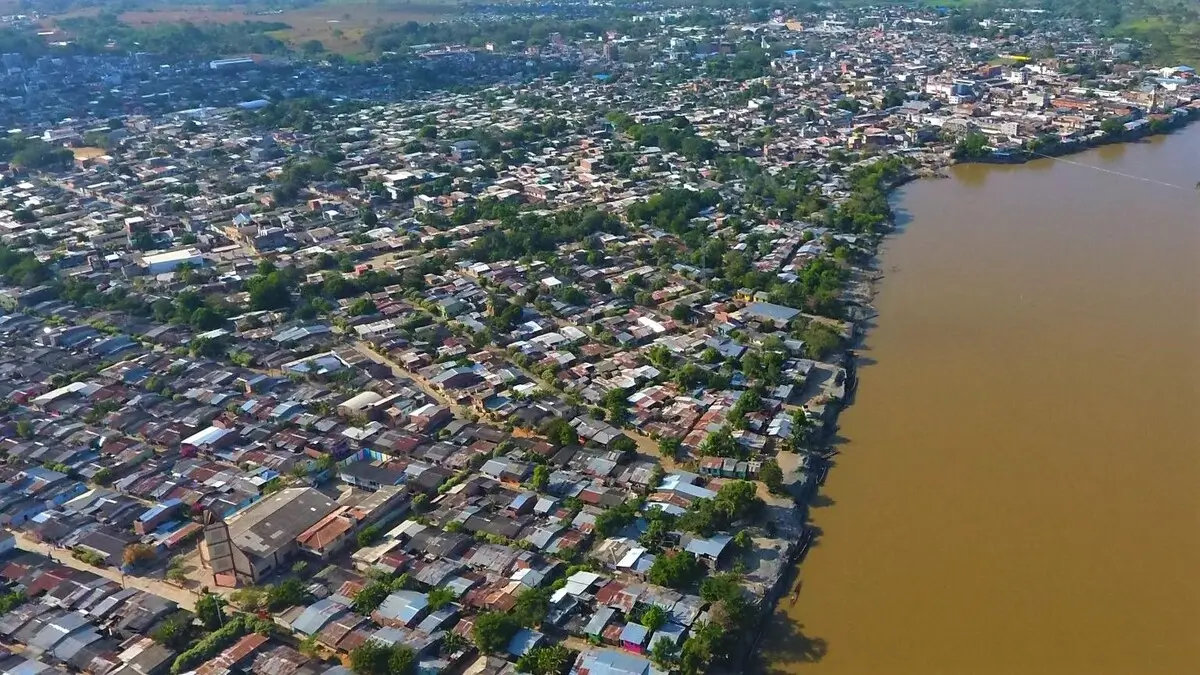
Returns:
(1191, 115)
(789, 582)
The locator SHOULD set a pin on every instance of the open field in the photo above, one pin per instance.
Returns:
(338, 24)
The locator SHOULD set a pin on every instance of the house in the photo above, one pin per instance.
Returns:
(261, 538)
(613, 662)
(634, 637)
(769, 312)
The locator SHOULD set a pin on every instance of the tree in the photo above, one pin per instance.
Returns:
(287, 593)
(439, 598)
(532, 606)
(137, 554)
(541, 478)
(547, 660)
(175, 631)
(742, 540)
(973, 146)
(206, 319)
(10, 601)
(772, 476)
(375, 658)
(657, 536)
(623, 444)
(453, 643)
(668, 446)
(1113, 127)
(493, 631)
(677, 570)
(721, 587)
(615, 404)
(369, 535)
(653, 618)
(210, 610)
(610, 521)
(269, 291)
(371, 597)
(721, 444)
(681, 311)
(362, 307)
(249, 599)
(559, 432)
(664, 653)
(103, 477)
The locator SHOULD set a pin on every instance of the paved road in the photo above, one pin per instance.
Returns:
(181, 596)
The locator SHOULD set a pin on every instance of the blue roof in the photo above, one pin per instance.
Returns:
(613, 662)
(404, 606)
(767, 310)
(523, 641)
(635, 633)
(710, 547)
(317, 615)
(599, 620)
(157, 509)
(671, 631)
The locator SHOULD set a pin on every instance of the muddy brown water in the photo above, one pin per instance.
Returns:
(1019, 486)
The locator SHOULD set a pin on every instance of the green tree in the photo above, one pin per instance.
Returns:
(439, 598)
(369, 535)
(547, 660)
(376, 658)
(362, 307)
(720, 443)
(541, 478)
(657, 536)
(1113, 127)
(287, 593)
(677, 570)
(772, 476)
(664, 653)
(616, 405)
(10, 601)
(559, 432)
(493, 631)
(249, 599)
(174, 632)
(653, 618)
(453, 643)
(668, 446)
(210, 610)
(532, 606)
(370, 597)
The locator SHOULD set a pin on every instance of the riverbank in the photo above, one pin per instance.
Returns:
(929, 567)
(1177, 121)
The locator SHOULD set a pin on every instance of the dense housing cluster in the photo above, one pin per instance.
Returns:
(534, 374)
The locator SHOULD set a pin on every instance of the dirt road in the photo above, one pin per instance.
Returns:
(181, 596)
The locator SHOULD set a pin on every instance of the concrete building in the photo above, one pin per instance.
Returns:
(254, 543)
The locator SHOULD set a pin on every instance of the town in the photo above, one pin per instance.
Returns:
(520, 356)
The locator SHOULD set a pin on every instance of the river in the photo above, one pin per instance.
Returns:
(1019, 484)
